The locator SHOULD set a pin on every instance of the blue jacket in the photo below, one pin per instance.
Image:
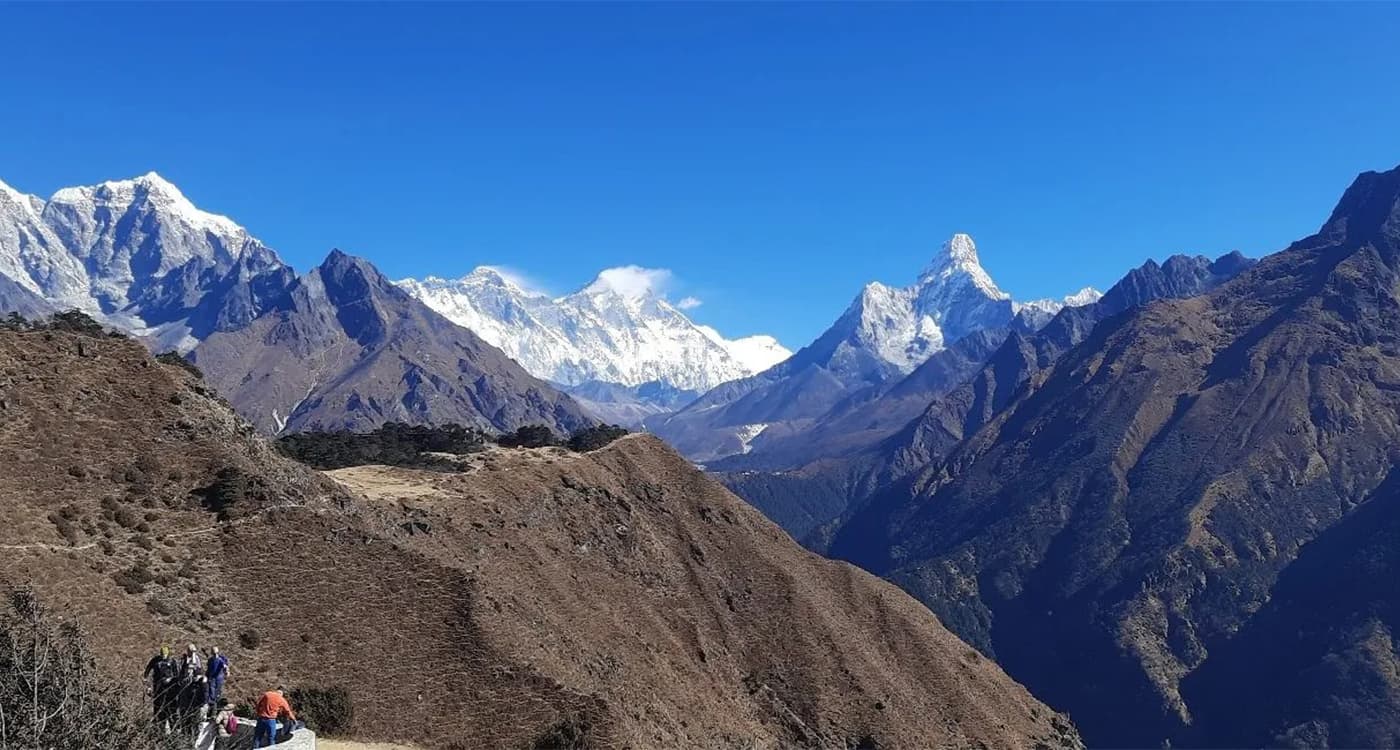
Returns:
(218, 665)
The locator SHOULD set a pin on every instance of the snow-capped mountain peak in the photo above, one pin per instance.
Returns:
(619, 328)
(892, 330)
(758, 352)
(32, 257)
(491, 277)
(152, 188)
(957, 258)
(1037, 313)
(137, 253)
(629, 282)
(903, 326)
(116, 227)
(30, 204)
(1086, 296)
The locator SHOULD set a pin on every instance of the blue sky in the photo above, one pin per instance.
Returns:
(772, 157)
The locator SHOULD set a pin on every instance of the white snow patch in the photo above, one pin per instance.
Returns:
(747, 433)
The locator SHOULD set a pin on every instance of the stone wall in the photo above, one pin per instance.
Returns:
(302, 739)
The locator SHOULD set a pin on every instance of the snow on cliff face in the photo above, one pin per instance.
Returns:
(953, 297)
(136, 252)
(130, 233)
(888, 331)
(33, 257)
(608, 331)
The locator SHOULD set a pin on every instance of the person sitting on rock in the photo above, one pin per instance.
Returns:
(217, 733)
(271, 706)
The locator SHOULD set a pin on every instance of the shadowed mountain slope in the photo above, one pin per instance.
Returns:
(969, 405)
(1164, 494)
(813, 480)
(343, 348)
(15, 298)
(618, 597)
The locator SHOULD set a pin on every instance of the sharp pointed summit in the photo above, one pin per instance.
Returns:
(883, 336)
(958, 250)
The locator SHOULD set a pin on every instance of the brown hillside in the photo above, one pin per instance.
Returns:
(617, 595)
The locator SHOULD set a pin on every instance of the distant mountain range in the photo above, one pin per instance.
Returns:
(811, 481)
(885, 335)
(605, 332)
(340, 347)
(138, 255)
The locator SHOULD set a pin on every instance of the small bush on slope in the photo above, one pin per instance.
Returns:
(593, 438)
(327, 711)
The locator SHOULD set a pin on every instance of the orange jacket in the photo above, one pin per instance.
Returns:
(272, 706)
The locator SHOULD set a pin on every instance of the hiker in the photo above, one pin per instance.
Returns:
(191, 664)
(270, 707)
(189, 699)
(163, 673)
(216, 671)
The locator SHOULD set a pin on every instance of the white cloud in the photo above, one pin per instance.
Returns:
(689, 303)
(634, 281)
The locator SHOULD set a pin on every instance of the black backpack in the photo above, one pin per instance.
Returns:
(166, 671)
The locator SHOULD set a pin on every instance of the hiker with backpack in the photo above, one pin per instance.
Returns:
(163, 672)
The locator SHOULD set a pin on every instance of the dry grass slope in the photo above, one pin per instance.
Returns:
(617, 596)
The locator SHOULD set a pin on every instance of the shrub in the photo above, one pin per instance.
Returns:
(593, 438)
(393, 444)
(569, 734)
(127, 517)
(66, 527)
(231, 489)
(73, 321)
(175, 360)
(133, 580)
(529, 436)
(326, 711)
(14, 322)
